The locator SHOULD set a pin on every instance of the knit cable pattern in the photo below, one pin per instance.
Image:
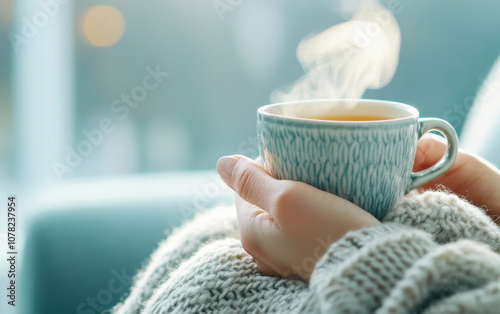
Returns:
(434, 253)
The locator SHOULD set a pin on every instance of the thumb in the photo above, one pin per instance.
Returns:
(249, 180)
(430, 149)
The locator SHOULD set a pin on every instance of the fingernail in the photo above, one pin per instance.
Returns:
(225, 167)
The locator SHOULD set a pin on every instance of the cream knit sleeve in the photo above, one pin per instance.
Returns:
(434, 253)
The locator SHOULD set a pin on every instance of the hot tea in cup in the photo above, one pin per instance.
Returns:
(361, 150)
(350, 118)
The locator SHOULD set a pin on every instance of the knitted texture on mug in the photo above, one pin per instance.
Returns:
(433, 253)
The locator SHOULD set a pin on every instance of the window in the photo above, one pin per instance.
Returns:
(106, 88)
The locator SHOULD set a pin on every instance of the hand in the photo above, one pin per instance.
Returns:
(470, 176)
(286, 225)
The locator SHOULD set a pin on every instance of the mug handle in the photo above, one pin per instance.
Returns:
(445, 163)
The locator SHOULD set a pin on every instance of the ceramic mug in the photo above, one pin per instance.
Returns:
(369, 163)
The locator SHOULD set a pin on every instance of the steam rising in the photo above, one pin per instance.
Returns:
(348, 58)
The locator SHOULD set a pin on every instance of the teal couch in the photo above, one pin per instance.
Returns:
(81, 251)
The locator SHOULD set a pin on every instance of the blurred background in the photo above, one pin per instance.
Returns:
(64, 63)
(105, 89)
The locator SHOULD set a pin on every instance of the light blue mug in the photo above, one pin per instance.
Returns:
(368, 163)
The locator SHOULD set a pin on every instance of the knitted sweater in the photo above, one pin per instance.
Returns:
(433, 253)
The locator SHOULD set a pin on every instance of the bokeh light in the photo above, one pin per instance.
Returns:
(102, 25)
(6, 8)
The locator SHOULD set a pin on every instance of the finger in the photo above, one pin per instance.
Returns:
(251, 181)
(256, 226)
(259, 161)
(265, 270)
(430, 149)
(259, 233)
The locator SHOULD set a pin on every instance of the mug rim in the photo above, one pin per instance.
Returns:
(413, 112)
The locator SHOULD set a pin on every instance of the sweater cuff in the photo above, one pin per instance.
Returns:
(359, 270)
